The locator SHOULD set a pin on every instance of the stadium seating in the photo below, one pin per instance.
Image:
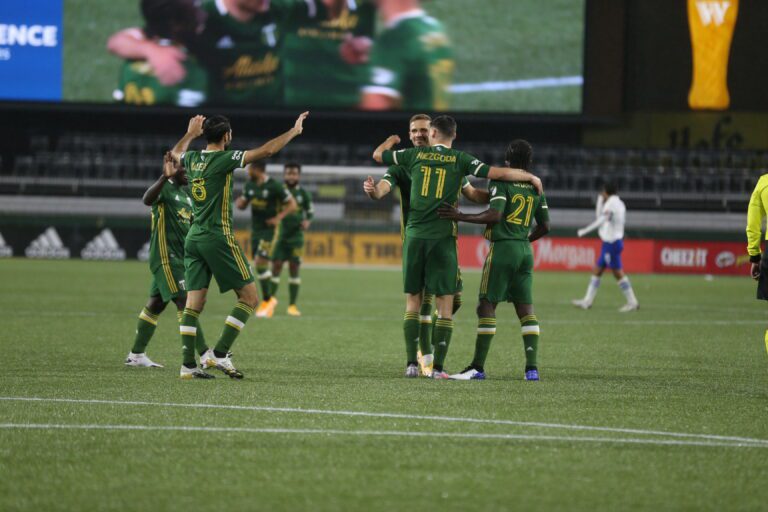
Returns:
(94, 164)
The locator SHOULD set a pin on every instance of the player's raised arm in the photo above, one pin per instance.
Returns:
(194, 130)
(601, 219)
(273, 146)
(169, 171)
(388, 144)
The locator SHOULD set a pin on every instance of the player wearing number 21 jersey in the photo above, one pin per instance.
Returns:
(210, 247)
(508, 269)
(430, 260)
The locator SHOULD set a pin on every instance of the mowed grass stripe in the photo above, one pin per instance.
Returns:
(451, 419)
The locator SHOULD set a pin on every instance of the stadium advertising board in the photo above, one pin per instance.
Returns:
(701, 258)
(307, 54)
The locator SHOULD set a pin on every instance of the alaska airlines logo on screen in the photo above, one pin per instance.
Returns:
(30, 50)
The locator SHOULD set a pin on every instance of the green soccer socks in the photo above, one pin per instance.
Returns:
(232, 327)
(411, 333)
(144, 331)
(441, 339)
(530, 330)
(486, 329)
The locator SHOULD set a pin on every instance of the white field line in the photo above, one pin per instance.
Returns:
(709, 437)
(376, 433)
(516, 85)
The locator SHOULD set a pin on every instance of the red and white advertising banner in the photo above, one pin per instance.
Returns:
(701, 257)
(639, 256)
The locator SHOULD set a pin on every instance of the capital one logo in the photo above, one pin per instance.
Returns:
(712, 12)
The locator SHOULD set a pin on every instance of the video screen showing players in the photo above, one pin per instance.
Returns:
(373, 55)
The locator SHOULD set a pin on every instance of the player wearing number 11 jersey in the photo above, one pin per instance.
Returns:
(430, 260)
(210, 247)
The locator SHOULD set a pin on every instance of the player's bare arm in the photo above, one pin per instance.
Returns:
(166, 61)
(476, 195)
(276, 144)
(392, 141)
(169, 171)
(241, 203)
(194, 130)
(291, 206)
(509, 174)
(377, 191)
(450, 212)
(539, 231)
(376, 101)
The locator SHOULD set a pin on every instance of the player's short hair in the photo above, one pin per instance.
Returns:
(215, 127)
(519, 154)
(445, 125)
(611, 188)
(420, 117)
(292, 165)
(176, 20)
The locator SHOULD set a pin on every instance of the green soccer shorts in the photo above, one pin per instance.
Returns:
(431, 265)
(219, 257)
(167, 282)
(261, 243)
(508, 273)
(288, 249)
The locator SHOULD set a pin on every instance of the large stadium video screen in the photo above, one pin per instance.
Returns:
(430, 55)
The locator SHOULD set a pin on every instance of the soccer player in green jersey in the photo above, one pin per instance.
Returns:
(508, 269)
(336, 49)
(411, 60)
(270, 203)
(210, 248)
(430, 260)
(397, 176)
(171, 25)
(289, 240)
(171, 218)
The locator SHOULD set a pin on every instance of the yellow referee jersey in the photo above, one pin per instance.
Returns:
(758, 208)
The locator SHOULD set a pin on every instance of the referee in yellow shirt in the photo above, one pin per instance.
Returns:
(758, 208)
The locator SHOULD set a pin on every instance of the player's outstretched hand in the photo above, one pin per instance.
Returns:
(167, 62)
(299, 126)
(755, 271)
(169, 165)
(448, 211)
(580, 233)
(368, 186)
(195, 127)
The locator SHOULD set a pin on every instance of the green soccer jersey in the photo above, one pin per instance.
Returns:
(138, 85)
(265, 199)
(245, 58)
(290, 227)
(397, 176)
(210, 178)
(519, 204)
(171, 219)
(412, 61)
(311, 49)
(437, 174)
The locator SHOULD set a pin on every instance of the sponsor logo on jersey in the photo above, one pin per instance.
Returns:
(47, 245)
(143, 254)
(103, 247)
(6, 251)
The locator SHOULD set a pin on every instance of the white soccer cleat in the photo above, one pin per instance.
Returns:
(629, 306)
(581, 303)
(468, 373)
(225, 365)
(439, 375)
(207, 360)
(141, 360)
(193, 373)
(412, 371)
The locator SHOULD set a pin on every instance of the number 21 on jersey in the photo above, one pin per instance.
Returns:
(520, 203)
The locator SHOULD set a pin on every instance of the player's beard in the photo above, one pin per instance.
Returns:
(291, 184)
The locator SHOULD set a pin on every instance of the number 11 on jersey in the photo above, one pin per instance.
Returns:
(427, 172)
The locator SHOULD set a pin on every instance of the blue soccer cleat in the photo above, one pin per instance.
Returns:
(532, 374)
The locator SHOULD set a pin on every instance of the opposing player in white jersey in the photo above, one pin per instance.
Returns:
(611, 215)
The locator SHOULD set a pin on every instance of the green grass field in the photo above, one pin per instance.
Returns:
(500, 41)
(324, 419)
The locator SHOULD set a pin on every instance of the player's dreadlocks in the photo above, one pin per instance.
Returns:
(519, 154)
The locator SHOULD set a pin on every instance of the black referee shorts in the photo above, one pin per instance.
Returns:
(762, 281)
